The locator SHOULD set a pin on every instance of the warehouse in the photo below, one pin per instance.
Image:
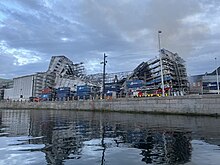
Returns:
(22, 88)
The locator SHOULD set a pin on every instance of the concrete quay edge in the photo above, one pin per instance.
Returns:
(205, 105)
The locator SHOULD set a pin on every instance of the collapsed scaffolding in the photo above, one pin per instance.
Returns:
(63, 73)
(174, 73)
(147, 73)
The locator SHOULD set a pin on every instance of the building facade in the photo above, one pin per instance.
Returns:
(22, 88)
(173, 69)
(29, 86)
(205, 83)
(64, 67)
(43, 80)
(5, 84)
(61, 72)
(209, 84)
(195, 84)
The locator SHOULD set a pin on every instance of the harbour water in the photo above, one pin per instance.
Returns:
(83, 137)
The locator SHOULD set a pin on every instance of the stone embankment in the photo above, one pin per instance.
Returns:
(185, 105)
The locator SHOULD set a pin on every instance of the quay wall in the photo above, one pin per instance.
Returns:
(185, 105)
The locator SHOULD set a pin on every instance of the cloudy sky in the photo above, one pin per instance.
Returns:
(31, 31)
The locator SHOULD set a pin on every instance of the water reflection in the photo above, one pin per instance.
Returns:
(67, 137)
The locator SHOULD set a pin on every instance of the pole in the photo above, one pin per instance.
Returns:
(217, 75)
(161, 64)
(103, 83)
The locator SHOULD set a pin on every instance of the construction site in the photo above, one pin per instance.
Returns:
(164, 75)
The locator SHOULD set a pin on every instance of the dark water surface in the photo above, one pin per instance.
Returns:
(87, 138)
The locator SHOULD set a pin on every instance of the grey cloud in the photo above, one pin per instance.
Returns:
(8, 70)
(126, 29)
(129, 18)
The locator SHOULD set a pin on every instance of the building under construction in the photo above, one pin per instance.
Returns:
(63, 67)
(147, 76)
(173, 69)
(62, 72)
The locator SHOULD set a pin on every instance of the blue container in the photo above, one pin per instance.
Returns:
(83, 96)
(84, 88)
(64, 92)
(63, 89)
(114, 88)
(59, 90)
(63, 95)
(135, 83)
(83, 93)
(109, 94)
(210, 85)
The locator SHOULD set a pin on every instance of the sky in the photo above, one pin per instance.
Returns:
(31, 31)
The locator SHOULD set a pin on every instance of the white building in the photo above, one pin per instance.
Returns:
(29, 86)
(62, 72)
(22, 88)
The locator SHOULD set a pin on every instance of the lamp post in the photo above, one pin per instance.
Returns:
(217, 75)
(103, 81)
(161, 64)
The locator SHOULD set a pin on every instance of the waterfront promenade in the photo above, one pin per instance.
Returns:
(184, 105)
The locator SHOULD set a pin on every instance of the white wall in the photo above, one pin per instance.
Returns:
(9, 93)
(23, 86)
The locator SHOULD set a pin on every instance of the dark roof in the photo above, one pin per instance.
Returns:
(214, 72)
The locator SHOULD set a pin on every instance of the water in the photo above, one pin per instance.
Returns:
(82, 138)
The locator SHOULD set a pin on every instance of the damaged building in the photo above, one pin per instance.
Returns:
(60, 68)
(173, 69)
(63, 73)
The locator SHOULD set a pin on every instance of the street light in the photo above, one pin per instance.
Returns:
(161, 64)
(217, 75)
(103, 82)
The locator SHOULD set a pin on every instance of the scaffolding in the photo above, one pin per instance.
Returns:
(173, 68)
(117, 77)
(174, 72)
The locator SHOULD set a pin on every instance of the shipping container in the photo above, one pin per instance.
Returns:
(63, 92)
(134, 83)
(63, 89)
(86, 91)
(47, 90)
(84, 95)
(114, 88)
(63, 95)
(111, 95)
(84, 88)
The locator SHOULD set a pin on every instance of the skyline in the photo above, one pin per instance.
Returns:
(33, 31)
